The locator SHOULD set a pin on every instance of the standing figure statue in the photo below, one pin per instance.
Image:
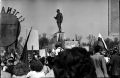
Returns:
(59, 19)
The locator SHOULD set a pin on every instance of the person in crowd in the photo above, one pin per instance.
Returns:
(34, 58)
(20, 70)
(57, 49)
(115, 64)
(47, 70)
(74, 63)
(10, 65)
(46, 67)
(36, 70)
(99, 63)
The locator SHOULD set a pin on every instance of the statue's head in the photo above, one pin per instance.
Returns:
(58, 10)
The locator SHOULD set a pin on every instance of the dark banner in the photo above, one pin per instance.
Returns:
(9, 29)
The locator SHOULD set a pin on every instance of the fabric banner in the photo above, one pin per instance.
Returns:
(9, 29)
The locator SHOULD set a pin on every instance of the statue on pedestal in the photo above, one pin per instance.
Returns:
(59, 19)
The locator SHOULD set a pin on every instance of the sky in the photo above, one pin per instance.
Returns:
(82, 17)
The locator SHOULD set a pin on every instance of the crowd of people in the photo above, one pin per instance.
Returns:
(76, 62)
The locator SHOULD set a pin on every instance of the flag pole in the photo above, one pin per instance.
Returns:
(119, 26)
(108, 18)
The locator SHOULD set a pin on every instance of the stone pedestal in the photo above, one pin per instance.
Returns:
(60, 36)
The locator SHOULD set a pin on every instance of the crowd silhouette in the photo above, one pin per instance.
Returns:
(76, 62)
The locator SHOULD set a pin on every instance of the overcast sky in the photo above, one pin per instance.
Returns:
(82, 17)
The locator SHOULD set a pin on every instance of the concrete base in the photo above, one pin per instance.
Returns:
(60, 36)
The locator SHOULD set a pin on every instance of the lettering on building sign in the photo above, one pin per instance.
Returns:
(12, 11)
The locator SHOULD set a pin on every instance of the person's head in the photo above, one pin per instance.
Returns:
(97, 48)
(115, 50)
(57, 45)
(20, 69)
(49, 50)
(36, 66)
(58, 11)
(35, 57)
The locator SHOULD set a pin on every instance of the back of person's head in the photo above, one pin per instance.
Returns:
(36, 65)
(57, 45)
(20, 69)
(97, 48)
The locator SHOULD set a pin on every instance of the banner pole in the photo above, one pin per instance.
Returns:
(119, 26)
(108, 18)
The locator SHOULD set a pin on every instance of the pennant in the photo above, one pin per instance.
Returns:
(101, 42)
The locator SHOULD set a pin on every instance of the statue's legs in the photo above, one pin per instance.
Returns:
(59, 26)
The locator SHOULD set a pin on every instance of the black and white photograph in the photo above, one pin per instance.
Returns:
(60, 38)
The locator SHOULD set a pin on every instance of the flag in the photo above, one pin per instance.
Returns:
(24, 55)
(101, 42)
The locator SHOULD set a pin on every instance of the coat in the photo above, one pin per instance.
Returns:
(100, 65)
(115, 65)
